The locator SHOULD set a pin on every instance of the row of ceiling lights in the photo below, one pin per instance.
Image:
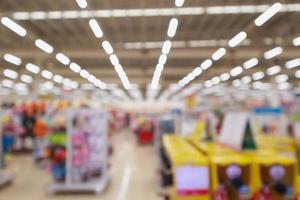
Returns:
(211, 10)
(47, 48)
(233, 42)
(95, 27)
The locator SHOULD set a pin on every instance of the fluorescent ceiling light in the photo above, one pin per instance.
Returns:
(215, 80)
(58, 79)
(26, 78)
(12, 59)
(21, 87)
(74, 85)
(236, 71)
(225, 77)
(82, 3)
(44, 46)
(7, 83)
(281, 78)
(75, 67)
(62, 58)
(84, 74)
(39, 15)
(268, 14)
(237, 83)
(208, 83)
(293, 63)
(250, 63)
(206, 64)
(273, 53)
(197, 71)
(162, 59)
(72, 14)
(54, 15)
(258, 75)
(91, 78)
(114, 59)
(237, 39)
(98, 83)
(297, 74)
(296, 41)
(13, 26)
(284, 86)
(273, 70)
(107, 47)
(47, 74)
(10, 74)
(166, 47)
(21, 15)
(219, 54)
(96, 28)
(246, 79)
(173, 24)
(179, 3)
(32, 68)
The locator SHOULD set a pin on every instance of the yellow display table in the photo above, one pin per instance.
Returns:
(190, 170)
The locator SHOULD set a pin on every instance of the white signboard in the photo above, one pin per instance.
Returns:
(192, 180)
(233, 129)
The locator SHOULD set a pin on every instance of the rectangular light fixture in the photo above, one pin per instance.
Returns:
(237, 39)
(7, 83)
(84, 74)
(47, 74)
(166, 48)
(75, 67)
(14, 26)
(281, 78)
(173, 24)
(268, 14)
(107, 47)
(219, 54)
(32, 68)
(297, 74)
(197, 71)
(215, 80)
(72, 14)
(162, 59)
(62, 59)
(236, 71)
(39, 15)
(12, 59)
(293, 63)
(26, 78)
(296, 41)
(10, 74)
(114, 59)
(96, 28)
(58, 79)
(44, 46)
(273, 70)
(246, 79)
(250, 63)
(98, 83)
(225, 77)
(82, 3)
(258, 75)
(206, 64)
(179, 3)
(273, 53)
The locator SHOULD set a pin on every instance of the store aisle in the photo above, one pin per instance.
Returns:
(133, 176)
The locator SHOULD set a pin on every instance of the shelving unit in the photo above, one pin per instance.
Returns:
(93, 125)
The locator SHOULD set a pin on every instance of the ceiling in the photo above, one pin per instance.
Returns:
(74, 38)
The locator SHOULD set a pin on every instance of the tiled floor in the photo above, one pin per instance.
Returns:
(133, 176)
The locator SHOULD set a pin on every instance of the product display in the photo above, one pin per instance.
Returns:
(79, 151)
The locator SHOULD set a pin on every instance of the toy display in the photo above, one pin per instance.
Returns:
(79, 151)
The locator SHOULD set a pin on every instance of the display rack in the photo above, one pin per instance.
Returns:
(93, 126)
(5, 178)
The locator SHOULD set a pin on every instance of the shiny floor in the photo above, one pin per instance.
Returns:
(133, 176)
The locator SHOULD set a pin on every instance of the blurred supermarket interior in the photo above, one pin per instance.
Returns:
(150, 100)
